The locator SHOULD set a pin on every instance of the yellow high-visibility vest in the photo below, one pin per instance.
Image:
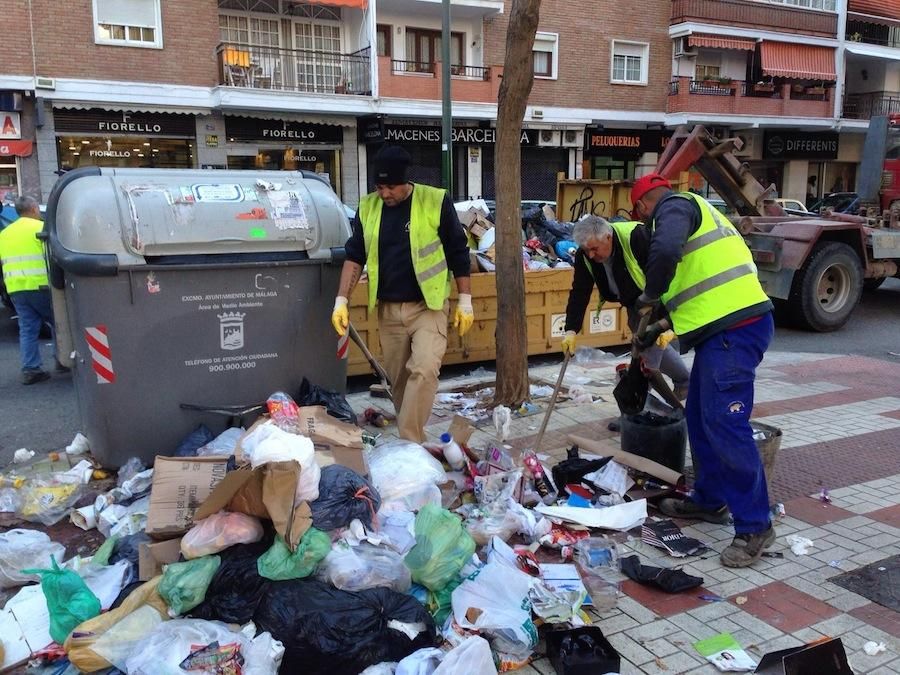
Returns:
(22, 256)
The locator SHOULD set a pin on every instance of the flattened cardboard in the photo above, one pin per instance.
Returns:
(323, 429)
(265, 492)
(180, 485)
(152, 557)
(460, 429)
(648, 466)
(825, 657)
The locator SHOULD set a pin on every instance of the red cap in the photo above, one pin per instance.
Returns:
(644, 184)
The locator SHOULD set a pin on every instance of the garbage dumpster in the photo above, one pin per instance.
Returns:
(188, 288)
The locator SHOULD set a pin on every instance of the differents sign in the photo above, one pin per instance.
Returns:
(800, 145)
(257, 130)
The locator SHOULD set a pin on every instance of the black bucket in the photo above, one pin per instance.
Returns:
(661, 438)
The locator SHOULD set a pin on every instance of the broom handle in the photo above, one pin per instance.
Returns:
(559, 380)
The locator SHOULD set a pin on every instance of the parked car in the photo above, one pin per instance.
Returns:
(792, 205)
(839, 202)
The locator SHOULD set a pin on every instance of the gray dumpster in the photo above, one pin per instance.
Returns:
(187, 290)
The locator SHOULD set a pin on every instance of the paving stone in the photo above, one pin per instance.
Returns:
(636, 611)
(629, 649)
(679, 662)
(660, 647)
(786, 608)
(760, 628)
(837, 625)
(847, 601)
(653, 631)
(713, 611)
(616, 624)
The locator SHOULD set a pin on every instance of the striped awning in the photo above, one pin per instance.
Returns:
(701, 40)
(876, 8)
(798, 62)
(355, 4)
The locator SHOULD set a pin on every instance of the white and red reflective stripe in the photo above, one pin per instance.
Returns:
(101, 357)
(343, 347)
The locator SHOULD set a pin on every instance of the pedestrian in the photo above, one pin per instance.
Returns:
(811, 190)
(410, 240)
(610, 256)
(25, 277)
(702, 272)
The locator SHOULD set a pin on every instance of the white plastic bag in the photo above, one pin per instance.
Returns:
(473, 655)
(421, 662)
(121, 639)
(354, 568)
(501, 595)
(223, 444)
(22, 549)
(218, 532)
(406, 476)
(268, 443)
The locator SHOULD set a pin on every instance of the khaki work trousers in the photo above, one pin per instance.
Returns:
(413, 341)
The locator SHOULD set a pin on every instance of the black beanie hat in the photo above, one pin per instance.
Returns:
(391, 163)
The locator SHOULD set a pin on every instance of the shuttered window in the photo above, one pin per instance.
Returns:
(130, 23)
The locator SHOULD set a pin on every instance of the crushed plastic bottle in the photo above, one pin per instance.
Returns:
(284, 411)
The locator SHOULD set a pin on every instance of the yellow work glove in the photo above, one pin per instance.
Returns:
(568, 343)
(340, 317)
(663, 340)
(465, 316)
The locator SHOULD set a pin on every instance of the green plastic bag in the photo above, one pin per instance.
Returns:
(442, 548)
(438, 603)
(184, 584)
(102, 554)
(69, 600)
(279, 564)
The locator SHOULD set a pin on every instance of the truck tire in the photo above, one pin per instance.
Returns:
(827, 289)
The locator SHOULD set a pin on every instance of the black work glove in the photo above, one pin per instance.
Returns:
(647, 338)
(644, 305)
(670, 581)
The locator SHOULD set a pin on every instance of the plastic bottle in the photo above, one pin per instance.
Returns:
(533, 464)
(11, 482)
(284, 411)
(452, 452)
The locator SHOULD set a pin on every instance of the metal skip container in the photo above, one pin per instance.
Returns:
(183, 289)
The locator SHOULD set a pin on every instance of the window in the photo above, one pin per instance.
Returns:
(828, 5)
(318, 65)
(709, 65)
(423, 48)
(629, 62)
(546, 55)
(129, 23)
(246, 30)
(383, 40)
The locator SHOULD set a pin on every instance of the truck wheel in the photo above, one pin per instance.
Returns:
(827, 288)
(873, 284)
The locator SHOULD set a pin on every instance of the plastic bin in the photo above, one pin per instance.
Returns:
(196, 288)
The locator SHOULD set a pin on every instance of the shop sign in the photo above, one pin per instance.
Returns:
(96, 121)
(625, 141)
(431, 135)
(10, 125)
(212, 140)
(370, 129)
(800, 145)
(301, 157)
(257, 130)
(16, 148)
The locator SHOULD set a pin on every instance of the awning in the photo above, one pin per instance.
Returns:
(16, 148)
(876, 8)
(798, 62)
(125, 107)
(700, 40)
(356, 4)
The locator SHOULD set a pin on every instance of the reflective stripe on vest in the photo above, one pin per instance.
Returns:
(22, 256)
(426, 248)
(715, 276)
(623, 232)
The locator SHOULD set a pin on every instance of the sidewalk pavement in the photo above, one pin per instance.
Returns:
(841, 421)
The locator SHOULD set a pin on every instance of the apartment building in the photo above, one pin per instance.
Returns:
(318, 85)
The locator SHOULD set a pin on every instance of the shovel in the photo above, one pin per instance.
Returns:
(377, 367)
(550, 406)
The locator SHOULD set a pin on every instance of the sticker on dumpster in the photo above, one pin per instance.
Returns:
(343, 347)
(101, 356)
(603, 321)
(288, 211)
(557, 325)
(217, 192)
(231, 330)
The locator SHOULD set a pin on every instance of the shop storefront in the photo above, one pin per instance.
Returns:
(790, 159)
(282, 145)
(124, 139)
(615, 154)
(12, 148)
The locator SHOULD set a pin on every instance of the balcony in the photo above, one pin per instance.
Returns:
(873, 33)
(751, 14)
(867, 106)
(687, 95)
(422, 80)
(297, 70)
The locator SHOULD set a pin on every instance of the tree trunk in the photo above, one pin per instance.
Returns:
(518, 76)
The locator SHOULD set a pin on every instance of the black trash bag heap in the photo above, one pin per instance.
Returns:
(335, 403)
(344, 496)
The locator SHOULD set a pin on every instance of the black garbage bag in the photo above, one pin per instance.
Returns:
(126, 548)
(343, 496)
(236, 588)
(125, 592)
(574, 468)
(195, 440)
(335, 403)
(668, 580)
(332, 632)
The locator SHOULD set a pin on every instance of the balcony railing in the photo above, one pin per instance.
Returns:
(430, 67)
(752, 14)
(752, 98)
(867, 106)
(872, 33)
(301, 70)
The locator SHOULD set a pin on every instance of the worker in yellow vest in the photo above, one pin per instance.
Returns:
(609, 257)
(25, 278)
(410, 240)
(702, 272)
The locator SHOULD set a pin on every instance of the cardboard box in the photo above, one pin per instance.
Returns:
(180, 486)
(152, 557)
(341, 440)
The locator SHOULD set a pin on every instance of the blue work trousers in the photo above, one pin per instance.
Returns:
(33, 309)
(727, 466)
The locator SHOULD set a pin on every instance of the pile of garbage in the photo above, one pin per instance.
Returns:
(306, 544)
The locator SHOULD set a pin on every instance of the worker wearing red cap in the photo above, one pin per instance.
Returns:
(699, 268)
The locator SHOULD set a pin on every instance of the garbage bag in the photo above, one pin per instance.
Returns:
(218, 532)
(22, 548)
(172, 647)
(344, 496)
(195, 440)
(504, 612)
(184, 584)
(668, 580)
(405, 473)
(354, 568)
(236, 588)
(280, 564)
(268, 443)
(222, 445)
(335, 403)
(328, 631)
(473, 655)
(442, 548)
(47, 501)
(123, 637)
(69, 600)
(127, 548)
(439, 603)
(421, 662)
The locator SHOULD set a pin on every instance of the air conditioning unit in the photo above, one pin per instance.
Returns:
(572, 138)
(548, 138)
(44, 83)
(683, 48)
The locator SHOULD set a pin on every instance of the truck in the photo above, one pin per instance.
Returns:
(889, 181)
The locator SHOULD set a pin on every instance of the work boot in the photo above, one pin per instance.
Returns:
(685, 508)
(33, 376)
(746, 549)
